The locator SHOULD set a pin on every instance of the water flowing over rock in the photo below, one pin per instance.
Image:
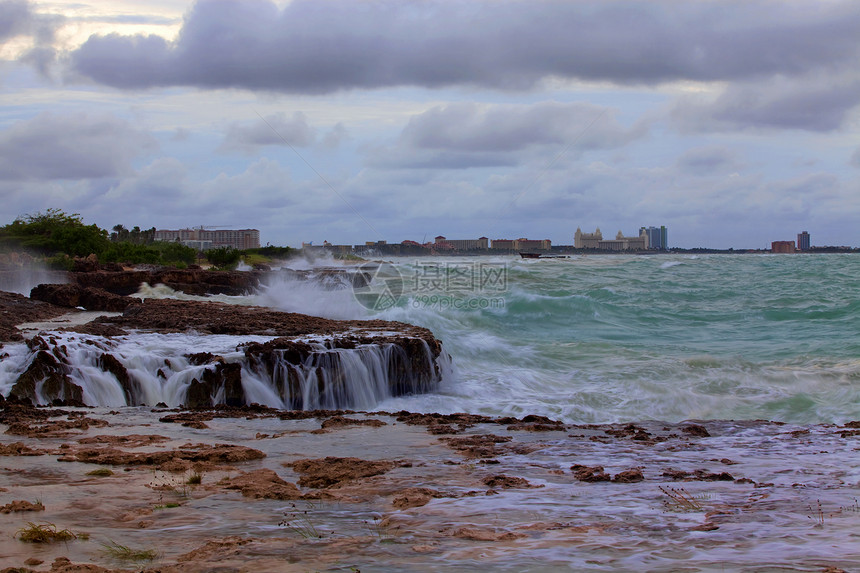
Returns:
(201, 354)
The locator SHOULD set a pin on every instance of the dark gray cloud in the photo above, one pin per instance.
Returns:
(276, 129)
(707, 160)
(813, 103)
(77, 146)
(320, 47)
(464, 135)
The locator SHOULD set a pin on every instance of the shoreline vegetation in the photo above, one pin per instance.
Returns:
(62, 241)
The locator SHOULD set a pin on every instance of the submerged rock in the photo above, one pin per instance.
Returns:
(333, 471)
(263, 484)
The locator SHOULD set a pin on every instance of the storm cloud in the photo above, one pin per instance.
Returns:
(320, 47)
(462, 135)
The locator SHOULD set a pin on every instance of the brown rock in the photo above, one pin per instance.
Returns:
(73, 296)
(131, 440)
(225, 379)
(221, 453)
(332, 471)
(343, 422)
(47, 374)
(476, 534)
(533, 423)
(629, 476)
(215, 550)
(589, 474)
(16, 309)
(507, 482)
(22, 505)
(19, 449)
(696, 430)
(415, 497)
(54, 428)
(263, 483)
(478, 446)
(87, 264)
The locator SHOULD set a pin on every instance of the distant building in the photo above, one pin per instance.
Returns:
(596, 241)
(205, 239)
(803, 241)
(522, 244)
(657, 237)
(503, 244)
(782, 247)
(463, 244)
(338, 249)
(377, 247)
(587, 240)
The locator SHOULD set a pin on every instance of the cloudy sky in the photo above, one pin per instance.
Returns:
(732, 122)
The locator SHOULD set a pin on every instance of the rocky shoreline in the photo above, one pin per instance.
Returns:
(300, 346)
(348, 491)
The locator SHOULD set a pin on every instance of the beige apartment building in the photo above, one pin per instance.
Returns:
(595, 240)
(204, 239)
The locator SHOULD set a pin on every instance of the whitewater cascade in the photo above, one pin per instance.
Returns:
(194, 370)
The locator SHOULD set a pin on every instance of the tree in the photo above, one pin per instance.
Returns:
(55, 232)
(223, 257)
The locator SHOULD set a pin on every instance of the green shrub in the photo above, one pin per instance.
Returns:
(224, 257)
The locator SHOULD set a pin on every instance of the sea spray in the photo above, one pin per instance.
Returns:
(23, 277)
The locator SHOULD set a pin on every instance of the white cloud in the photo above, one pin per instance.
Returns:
(276, 129)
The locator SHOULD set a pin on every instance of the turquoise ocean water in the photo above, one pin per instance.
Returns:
(613, 337)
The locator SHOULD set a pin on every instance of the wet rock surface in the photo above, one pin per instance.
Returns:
(262, 484)
(16, 309)
(189, 281)
(73, 296)
(333, 471)
(397, 496)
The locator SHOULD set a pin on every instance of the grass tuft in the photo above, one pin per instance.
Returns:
(381, 529)
(43, 533)
(301, 523)
(101, 472)
(124, 553)
(681, 500)
(170, 505)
